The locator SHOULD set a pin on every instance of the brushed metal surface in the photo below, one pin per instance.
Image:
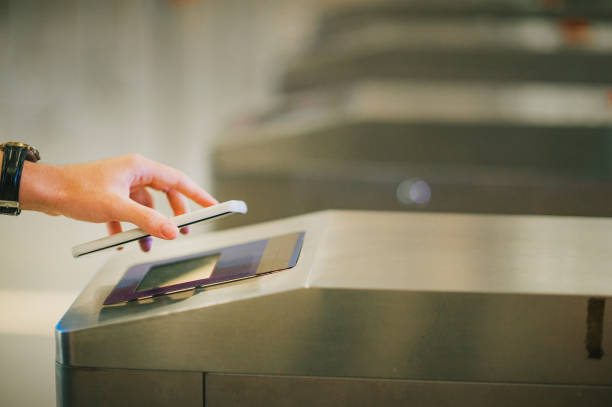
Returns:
(458, 40)
(279, 253)
(427, 64)
(94, 387)
(286, 169)
(357, 333)
(239, 390)
(379, 295)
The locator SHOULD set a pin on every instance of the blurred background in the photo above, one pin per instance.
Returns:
(481, 106)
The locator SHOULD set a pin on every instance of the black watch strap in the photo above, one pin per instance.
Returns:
(12, 166)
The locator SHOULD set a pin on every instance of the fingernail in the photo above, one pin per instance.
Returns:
(185, 230)
(169, 231)
(145, 243)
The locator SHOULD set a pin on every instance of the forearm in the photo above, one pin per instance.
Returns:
(112, 190)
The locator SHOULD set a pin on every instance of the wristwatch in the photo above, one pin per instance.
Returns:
(12, 165)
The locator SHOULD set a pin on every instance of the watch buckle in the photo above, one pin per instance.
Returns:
(10, 205)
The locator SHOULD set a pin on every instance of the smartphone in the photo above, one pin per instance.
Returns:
(202, 215)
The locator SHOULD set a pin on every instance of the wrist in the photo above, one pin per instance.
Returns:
(40, 187)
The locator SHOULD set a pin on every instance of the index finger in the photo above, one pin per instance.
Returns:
(163, 178)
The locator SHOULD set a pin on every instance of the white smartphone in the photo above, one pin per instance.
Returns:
(202, 215)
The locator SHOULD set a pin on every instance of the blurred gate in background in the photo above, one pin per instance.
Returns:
(472, 106)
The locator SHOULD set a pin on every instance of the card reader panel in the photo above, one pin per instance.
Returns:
(211, 267)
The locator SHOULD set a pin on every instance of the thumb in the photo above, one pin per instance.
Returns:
(149, 220)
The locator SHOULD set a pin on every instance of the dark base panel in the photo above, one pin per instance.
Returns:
(94, 387)
(270, 391)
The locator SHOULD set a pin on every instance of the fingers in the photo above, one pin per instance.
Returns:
(164, 178)
(179, 206)
(142, 196)
(146, 243)
(113, 228)
(148, 219)
(177, 186)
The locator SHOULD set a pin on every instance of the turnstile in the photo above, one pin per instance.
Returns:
(350, 308)
(442, 106)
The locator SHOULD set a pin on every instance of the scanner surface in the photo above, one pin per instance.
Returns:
(383, 307)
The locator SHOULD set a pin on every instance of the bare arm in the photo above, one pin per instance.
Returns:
(112, 191)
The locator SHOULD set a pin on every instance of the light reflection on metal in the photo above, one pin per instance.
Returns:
(413, 191)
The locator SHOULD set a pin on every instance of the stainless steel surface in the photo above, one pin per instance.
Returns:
(376, 295)
(498, 107)
(407, 101)
(127, 387)
(358, 161)
(270, 391)
(465, 40)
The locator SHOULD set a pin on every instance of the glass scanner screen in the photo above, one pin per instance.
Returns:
(204, 269)
(178, 272)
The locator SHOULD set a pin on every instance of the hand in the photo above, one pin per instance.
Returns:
(112, 191)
